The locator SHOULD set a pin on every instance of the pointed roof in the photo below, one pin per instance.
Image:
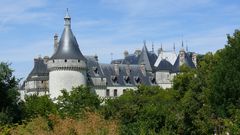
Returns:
(68, 47)
(147, 58)
(39, 69)
(164, 65)
(187, 61)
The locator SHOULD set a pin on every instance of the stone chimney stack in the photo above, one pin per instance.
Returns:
(116, 69)
(55, 42)
(181, 57)
(125, 53)
(194, 59)
(143, 69)
(45, 58)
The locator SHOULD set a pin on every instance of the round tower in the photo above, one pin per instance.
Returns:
(67, 66)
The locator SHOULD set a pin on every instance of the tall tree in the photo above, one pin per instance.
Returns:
(226, 76)
(76, 101)
(9, 95)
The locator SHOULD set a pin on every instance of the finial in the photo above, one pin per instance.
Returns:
(67, 14)
(182, 49)
(67, 19)
(152, 47)
(174, 48)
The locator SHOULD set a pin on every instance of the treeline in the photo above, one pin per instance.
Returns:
(202, 101)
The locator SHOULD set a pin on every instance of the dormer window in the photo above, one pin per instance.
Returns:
(152, 80)
(114, 79)
(127, 79)
(95, 70)
(137, 79)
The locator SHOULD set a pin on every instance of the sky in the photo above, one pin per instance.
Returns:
(103, 27)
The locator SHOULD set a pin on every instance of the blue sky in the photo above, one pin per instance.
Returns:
(103, 27)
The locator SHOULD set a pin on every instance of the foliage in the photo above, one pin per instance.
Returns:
(8, 95)
(226, 77)
(36, 105)
(144, 111)
(92, 124)
(76, 101)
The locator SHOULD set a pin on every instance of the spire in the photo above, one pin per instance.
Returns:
(152, 47)
(182, 49)
(67, 19)
(144, 42)
(68, 47)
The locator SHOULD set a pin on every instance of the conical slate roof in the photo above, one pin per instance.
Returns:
(147, 58)
(68, 47)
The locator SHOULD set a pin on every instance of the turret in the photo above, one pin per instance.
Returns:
(67, 66)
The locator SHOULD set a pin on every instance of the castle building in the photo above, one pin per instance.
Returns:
(68, 68)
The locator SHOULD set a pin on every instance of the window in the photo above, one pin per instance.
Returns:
(137, 80)
(42, 81)
(65, 60)
(78, 61)
(127, 79)
(114, 79)
(53, 61)
(107, 93)
(115, 93)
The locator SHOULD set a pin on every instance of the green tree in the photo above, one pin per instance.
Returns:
(36, 105)
(226, 76)
(9, 95)
(76, 101)
(147, 110)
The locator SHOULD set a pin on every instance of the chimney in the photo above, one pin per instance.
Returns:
(194, 59)
(116, 69)
(125, 53)
(55, 42)
(143, 69)
(128, 69)
(137, 52)
(181, 57)
(45, 58)
(96, 57)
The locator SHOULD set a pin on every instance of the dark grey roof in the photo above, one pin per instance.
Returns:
(148, 59)
(129, 75)
(39, 69)
(187, 61)
(68, 47)
(130, 59)
(164, 65)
